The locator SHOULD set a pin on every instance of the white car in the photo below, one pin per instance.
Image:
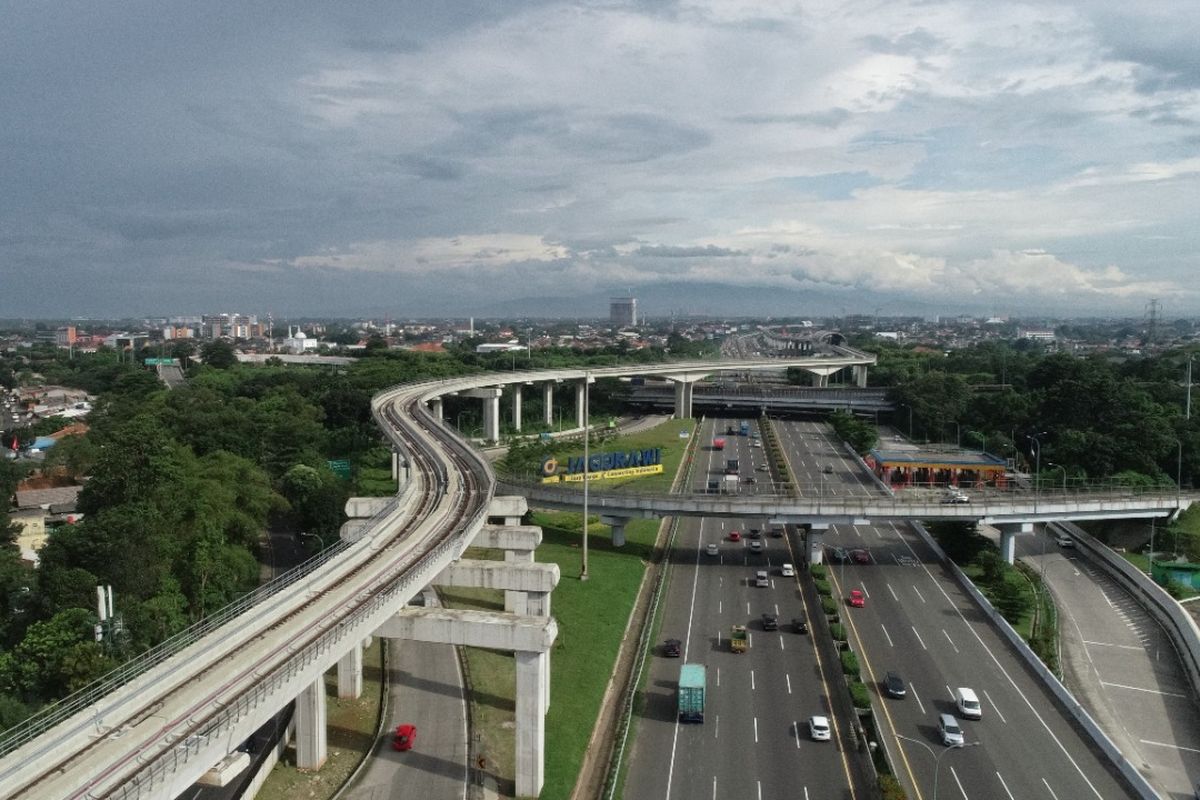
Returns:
(1064, 541)
(818, 728)
(711, 548)
(787, 571)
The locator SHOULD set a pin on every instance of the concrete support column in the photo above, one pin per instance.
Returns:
(532, 674)
(516, 602)
(491, 419)
(516, 420)
(548, 403)
(617, 524)
(816, 542)
(435, 405)
(311, 742)
(579, 421)
(1008, 538)
(350, 676)
(683, 399)
(860, 376)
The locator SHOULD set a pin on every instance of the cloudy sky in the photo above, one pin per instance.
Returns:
(411, 158)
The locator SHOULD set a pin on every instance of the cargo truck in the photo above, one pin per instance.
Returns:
(738, 640)
(691, 693)
(745, 428)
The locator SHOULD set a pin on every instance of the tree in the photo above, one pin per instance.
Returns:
(218, 354)
(1010, 601)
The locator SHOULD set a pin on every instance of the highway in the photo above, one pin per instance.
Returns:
(754, 742)
(918, 622)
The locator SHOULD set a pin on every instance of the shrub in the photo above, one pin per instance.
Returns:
(838, 631)
(890, 788)
(829, 606)
(849, 663)
(859, 695)
(817, 570)
(823, 587)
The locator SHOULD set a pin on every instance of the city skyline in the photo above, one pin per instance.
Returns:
(543, 157)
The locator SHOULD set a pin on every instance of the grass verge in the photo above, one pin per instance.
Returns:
(351, 728)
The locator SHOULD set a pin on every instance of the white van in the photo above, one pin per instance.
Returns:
(968, 704)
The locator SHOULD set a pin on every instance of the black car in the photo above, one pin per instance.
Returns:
(893, 685)
(770, 622)
(672, 648)
(777, 532)
(799, 625)
(838, 555)
(754, 533)
(730, 431)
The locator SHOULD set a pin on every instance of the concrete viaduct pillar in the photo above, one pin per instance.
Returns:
(816, 542)
(683, 392)
(579, 420)
(516, 418)
(435, 406)
(491, 410)
(860, 375)
(350, 674)
(311, 736)
(533, 673)
(1008, 538)
(617, 524)
(548, 403)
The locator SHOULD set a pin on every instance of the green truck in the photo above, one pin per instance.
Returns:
(691, 693)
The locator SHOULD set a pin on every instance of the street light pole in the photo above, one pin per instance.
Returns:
(937, 757)
(583, 574)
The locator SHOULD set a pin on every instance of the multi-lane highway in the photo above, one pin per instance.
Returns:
(754, 742)
(917, 621)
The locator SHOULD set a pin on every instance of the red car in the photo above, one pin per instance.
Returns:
(861, 556)
(857, 599)
(735, 536)
(404, 737)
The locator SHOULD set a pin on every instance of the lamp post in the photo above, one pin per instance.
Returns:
(937, 757)
(1064, 470)
(587, 376)
(1037, 470)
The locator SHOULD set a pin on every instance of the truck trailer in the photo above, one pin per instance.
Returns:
(692, 680)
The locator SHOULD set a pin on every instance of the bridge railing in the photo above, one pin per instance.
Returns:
(55, 713)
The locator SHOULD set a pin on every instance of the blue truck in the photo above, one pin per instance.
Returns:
(692, 678)
(745, 429)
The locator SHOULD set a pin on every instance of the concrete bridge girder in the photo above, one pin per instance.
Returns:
(491, 629)
(509, 537)
(509, 576)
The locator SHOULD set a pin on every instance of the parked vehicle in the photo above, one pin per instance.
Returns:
(692, 680)
(738, 640)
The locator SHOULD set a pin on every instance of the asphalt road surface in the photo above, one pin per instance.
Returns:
(754, 742)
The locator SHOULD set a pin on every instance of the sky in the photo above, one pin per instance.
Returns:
(484, 158)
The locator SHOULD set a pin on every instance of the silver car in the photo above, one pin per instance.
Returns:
(952, 735)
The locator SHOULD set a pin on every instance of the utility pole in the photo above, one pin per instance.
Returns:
(587, 376)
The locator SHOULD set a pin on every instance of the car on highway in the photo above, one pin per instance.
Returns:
(770, 622)
(967, 703)
(838, 555)
(730, 430)
(955, 497)
(735, 536)
(857, 599)
(404, 737)
(776, 531)
(711, 548)
(762, 468)
(756, 546)
(754, 533)
(749, 479)
(951, 733)
(672, 648)
(799, 625)
(1062, 540)
(761, 579)
(893, 685)
(787, 571)
(861, 556)
(827, 469)
(818, 728)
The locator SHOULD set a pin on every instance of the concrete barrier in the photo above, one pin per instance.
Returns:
(1067, 700)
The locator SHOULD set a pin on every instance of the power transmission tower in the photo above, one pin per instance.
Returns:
(1152, 311)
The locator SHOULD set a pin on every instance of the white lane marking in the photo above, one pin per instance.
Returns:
(951, 641)
(917, 697)
(756, 730)
(751, 680)
(796, 730)
(1005, 785)
(950, 692)
(893, 591)
(720, 606)
(992, 703)
(1048, 789)
(885, 633)
(759, 789)
(714, 787)
(866, 594)
(960, 786)
(747, 606)
(781, 642)
(749, 639)
(772, 583)
(1011, 682)
(805, 793)
(777, 609)
(1140, 689)
(1110, 644)
(788, 678)
(918, 591)
(1172, 746)
(919, 639)
(717, 727)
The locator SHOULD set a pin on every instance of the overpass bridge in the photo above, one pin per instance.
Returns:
(757, 397)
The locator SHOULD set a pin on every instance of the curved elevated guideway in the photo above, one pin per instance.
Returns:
(155, 726)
